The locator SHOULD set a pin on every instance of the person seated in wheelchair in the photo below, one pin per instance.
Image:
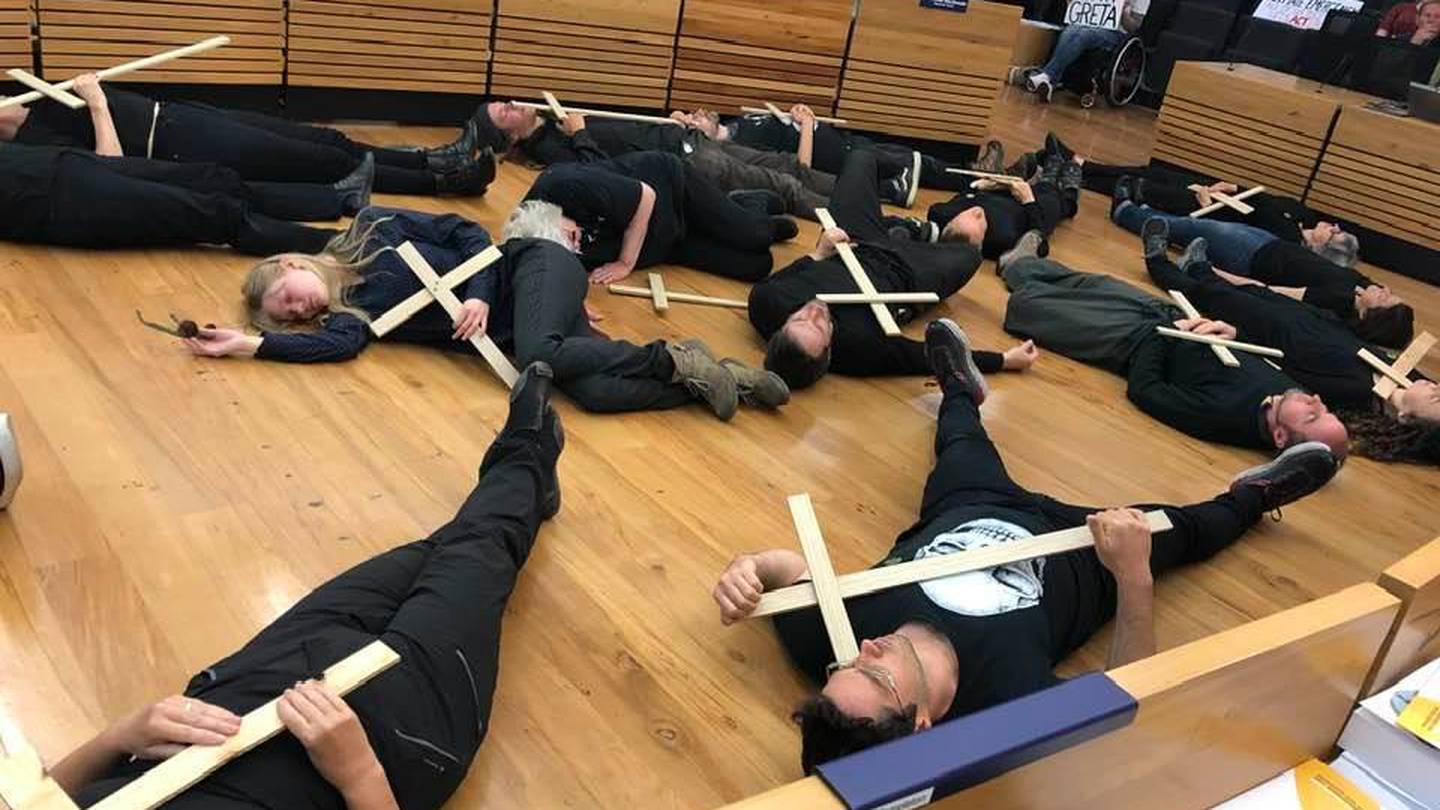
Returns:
(1094, 49)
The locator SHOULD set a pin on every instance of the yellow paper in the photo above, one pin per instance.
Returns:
(1321, 788)
(1422, 718)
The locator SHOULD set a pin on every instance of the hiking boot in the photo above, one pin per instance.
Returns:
(948, 350)
(705, 379)
(757, 388)
(1025, 167)
(760, 200)
(1194, 253)
(1155, 237)
(1129, 190)
(354, 188)
(453, 155)
(1290, 476)
(991, 158)
(1030, 245)
(1071, 174)
(470, 179)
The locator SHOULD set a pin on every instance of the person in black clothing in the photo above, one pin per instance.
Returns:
(531, 302)
(536, 139)
(258, 147)
(645, 208)
(805, 338)
(75, 198)
(406, 738)
(1101, 320)
(948, 647)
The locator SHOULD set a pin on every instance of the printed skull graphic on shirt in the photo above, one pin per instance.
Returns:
(993, 590)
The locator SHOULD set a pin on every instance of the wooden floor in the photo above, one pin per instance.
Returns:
(172, 507)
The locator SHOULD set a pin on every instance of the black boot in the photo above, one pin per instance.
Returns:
(760, 200)
(1070, 177)
(783, 229)
(470, 179)
(354, 189)
(1050, 171)
(1055, 146)
(453, 155)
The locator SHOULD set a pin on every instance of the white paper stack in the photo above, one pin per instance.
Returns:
(1389, 754)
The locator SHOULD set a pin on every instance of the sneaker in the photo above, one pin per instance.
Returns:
(1194, 254)
(1027, 166)
(1029, 246)
(913, 187)
(354, 188)
(757, 388)
(1016, 76)
(1040, 85)
(991, 158)
(899, 190)
(1055, 146)
(1127, 191)
(705, 379)
(1290, 476)
(1155, 237)
(10, 469)
(760, 200)
(783, 229)
(913, 228)
(948, 350)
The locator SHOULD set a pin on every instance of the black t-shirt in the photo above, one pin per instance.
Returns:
(1327, 284)
(1007, 218)
(602, 198)
(29, 174)
(992, 618)
(54, 124)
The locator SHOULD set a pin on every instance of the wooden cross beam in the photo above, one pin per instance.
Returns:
(999, 178)
(120, 70)
(555, 106)
(1239, 346)
(593, 113)
(823, 586)
(880, 298)
(1397, 374)
(803, 595)
(439, 289)
(1224, 199)
(1225, 355)
(45, 88)
(774, 109)
(672, 297)
(24, 785)
(1212, 208)
(857, 272)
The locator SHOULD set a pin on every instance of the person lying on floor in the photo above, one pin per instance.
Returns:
(1320, 353)
(805, 338)
(76, 198)
(732, 168)
(1103, 321)
(938, 650)
(257, 146)
(649, 208)
(407, 737)
(1308, 271)
(531, 302)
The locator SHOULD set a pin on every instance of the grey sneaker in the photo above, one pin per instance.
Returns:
(1028, 247)
(1290, 476)
(948, 349)
(1155, 237)
(1195, 252)
(757, 388)
(705, 379)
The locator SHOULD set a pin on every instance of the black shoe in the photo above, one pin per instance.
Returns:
(1057, 147)
(912, 228)
(948, 350)
(354, 188)
(453, 155)
(1045, 90)
(1127, 190)
(1290, 476)
(1195, 253)
(469, 180)
(1071, 175)
(760, 200)
(1155, 237)
(530, 397)
(901, 189)
(1026, 166)
(1030, 245)
(552, 438)
(783, 229)
(991, 158)
(1051, 168)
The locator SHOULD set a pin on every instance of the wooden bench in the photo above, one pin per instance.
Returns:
(1415, 639)
(15, 19)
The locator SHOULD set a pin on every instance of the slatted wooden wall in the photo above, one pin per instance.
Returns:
(84, 35)
(926, 72)
(430, 45)
(615, 52)
(15, 35)
(736, 53)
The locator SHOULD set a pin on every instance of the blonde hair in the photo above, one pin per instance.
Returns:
(338, 265)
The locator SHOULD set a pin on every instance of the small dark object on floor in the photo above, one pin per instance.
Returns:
(182, 329)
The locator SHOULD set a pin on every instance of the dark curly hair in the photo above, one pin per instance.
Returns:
(827, 733)
(1392, 326)
(789, 359)
(1379, 436)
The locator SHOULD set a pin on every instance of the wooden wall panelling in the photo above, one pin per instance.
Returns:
(431, 45)
(927, 72)
(84, 35)
(1217, 716)
(734, 53)
(613, 53)
(1246, 124)
(1382, 172)
(15, 19)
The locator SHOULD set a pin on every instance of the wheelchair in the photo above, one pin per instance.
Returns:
(1114, 73)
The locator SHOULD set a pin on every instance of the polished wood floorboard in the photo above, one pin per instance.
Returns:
(172, 506)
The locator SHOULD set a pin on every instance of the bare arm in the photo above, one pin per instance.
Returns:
(639, 226)
(87, 763)
(750, 575)
(157, 731)
(1123, 542)
(107, 140)
(805, 119)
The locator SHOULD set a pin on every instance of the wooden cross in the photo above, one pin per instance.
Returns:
(439, 289)
(774, 109)
(1396, 375)
(1239, 346)
(42, 89)
(824, 586)
(857, 272)
(555, 106)
(24, 785)
(661, 296)
(1225, 355)
(592, 113)
(999, 178)
(834, 589)
(1227, 201)
(1224, 199)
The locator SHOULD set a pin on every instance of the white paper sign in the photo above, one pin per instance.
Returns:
(1303, 13)
(1097, 13)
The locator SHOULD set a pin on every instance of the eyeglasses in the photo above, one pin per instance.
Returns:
(879, 675)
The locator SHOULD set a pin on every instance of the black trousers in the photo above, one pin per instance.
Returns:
(720, 236)
(833, 147)
(439, 603)
(134, 202)
(1079, 592)
(262, 147)
(601, 375)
